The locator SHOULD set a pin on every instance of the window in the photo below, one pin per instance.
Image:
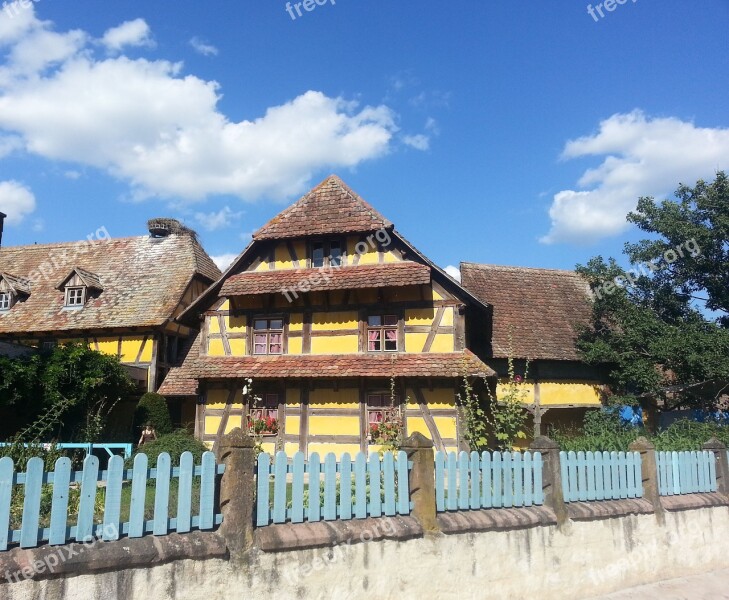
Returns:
(382, 333)
(48, 345)
(75, 296)
(263, 417)
(6, 300)
(268, 336)
(383, 417)
(328, 253)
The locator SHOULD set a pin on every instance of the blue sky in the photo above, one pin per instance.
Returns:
(497, 131)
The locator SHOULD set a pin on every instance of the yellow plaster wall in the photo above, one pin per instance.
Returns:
(237, 346)
(283, 257)
(344, 425)
(334, 320)
(584, 393)
(419, 316)
(107, 345)
(213, 324)
(337, 449)
(292, 425)
(293, 397)
(236, 324)
(414, 342)
(296, 345)
(296, 322)
(447, 320)
(327, 398)
(443, 342)
(341, 344)
(216, 348)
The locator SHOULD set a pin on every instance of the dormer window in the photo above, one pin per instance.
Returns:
(12, 290)
(6, 300)
(75, 296)
(78, 286)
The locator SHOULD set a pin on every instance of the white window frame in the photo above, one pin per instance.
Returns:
(6, 301)
(72, 300)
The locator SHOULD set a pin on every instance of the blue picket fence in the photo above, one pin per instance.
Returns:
(686, 472)
(590, 476)
(109, 525)
(488, 480)
(349, 490)
(88, 448)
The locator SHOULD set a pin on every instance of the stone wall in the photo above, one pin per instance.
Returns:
(581, 559)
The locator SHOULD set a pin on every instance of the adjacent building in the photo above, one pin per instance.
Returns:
(536, 316)
(119, 296)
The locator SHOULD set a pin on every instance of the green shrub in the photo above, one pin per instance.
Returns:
(174, 444)
(689, 435)
(152, 408)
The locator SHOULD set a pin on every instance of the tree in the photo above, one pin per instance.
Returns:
(85, 383)
(662, 327)
(152, 408)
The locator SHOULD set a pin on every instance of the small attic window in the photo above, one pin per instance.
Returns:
(78, 286)
(6, 301)
(75, 296)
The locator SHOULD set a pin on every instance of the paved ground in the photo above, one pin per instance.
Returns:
(712, 586)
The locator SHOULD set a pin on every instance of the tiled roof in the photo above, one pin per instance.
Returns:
(361, 276)
(182, 381)
(19, 285)
(539, 308)
(89, 279)
(330, 208)
(143, 282)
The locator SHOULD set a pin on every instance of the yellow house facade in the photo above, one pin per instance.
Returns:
(119, 296)
(327, 331)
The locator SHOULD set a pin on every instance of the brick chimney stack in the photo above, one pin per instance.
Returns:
(2, 221)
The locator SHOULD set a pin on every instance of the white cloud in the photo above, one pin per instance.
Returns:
(134, 33)
(160, 130)
(419, 141)
(224, 260)
(203, 48)
(16, 201)
(643, 156)
(454, 272)
(218, 220)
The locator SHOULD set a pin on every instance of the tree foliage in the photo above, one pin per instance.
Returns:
(152, 408)
(73, 384)
(664, 328)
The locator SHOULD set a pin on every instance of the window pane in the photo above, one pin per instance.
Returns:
(276, 324)
(275, 349)
(374, 320)
(260, 324)
(375, 417)
(335, 254)
(317, 255)
(375, 400)
(260, 338)
(390, 320)
(259, 348)
(374, 340)
(272, 400)
(391, 344)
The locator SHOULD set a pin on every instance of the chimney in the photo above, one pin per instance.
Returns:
(2, 221)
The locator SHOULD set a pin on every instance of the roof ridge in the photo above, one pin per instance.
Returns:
(300, 219)
(517, 268)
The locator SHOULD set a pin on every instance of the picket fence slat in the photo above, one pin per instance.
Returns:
(360, 484)
(375, 478)
(688, 472)
(162, 494)
(314, 514)
(183, 522)
(345, 486)
(403, 484)
(59, 504)
(595, 476)
(112, 504)
(87, 504)
(440, 481)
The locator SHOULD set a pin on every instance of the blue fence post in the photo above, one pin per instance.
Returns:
(7, 475)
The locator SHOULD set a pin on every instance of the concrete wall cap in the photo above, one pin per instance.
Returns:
(417, 440)
(237, 439)
(714, 444)
(641, 445)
